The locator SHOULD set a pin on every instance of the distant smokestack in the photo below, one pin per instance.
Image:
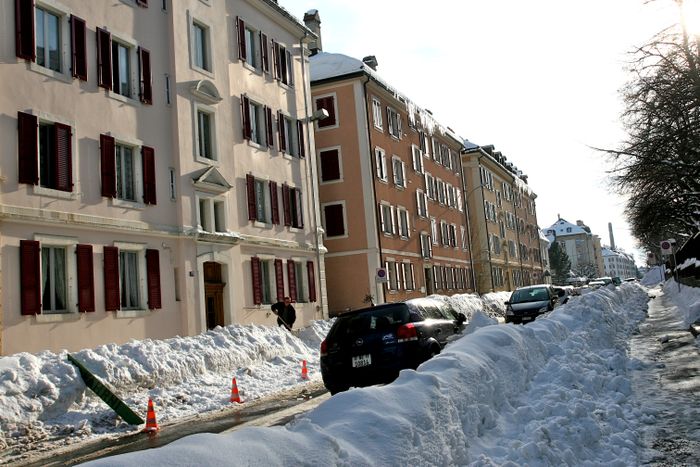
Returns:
(612, 238)
(371, 61)
(312, 20)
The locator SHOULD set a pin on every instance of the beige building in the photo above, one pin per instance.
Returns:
(502, 221)
(390, 189)
(156, 178)
(581, 245)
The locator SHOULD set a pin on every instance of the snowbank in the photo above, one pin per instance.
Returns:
(553, 392)
(687, 299)
(653, 276)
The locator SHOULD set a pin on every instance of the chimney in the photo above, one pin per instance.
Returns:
(312, 20)
(370, 61)
(612, 238)
(579, 223)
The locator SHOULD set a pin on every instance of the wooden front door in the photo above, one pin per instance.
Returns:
(213, 295)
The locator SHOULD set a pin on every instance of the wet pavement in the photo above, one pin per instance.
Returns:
(667, 384)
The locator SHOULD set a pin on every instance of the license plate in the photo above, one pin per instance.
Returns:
(361, 360)
(527, 318)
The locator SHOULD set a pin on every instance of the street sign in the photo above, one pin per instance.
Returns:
(666, 247)
(382, 276)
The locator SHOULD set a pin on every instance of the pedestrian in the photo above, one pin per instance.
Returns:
(286, 315)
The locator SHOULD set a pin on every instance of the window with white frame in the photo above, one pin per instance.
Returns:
(386, 213)
(423, 138)
(205, 133)
(441, 191)
(54, 279)
(399, 172)
(458, 195)
(417, 156)
(172, 185)
(380, 163)
(430, 186)
(121, 67)
(511, 249)
(377, 113)
(450, 195)
(334, 219)
(449, 277)
(421, 204)
(434, 231)
(463, 236)
(445, 233)
(48, 39)
(253, 48)
(129, 280)
(258, 125)
(404, 227)
(453, 235)
(409, 282)
(262, 201)
(266, 281)
(426, 247)
(212, 214)
(201, 46)
(496, 244)
(393, 120)
(330, 166)
(288, 129)
(301, 281)
(393, 273)
(128, 171)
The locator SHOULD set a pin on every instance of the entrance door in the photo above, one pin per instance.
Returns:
(428, 275)
(213, 295)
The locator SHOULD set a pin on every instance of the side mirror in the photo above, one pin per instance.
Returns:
(461, 318)
(506, 303)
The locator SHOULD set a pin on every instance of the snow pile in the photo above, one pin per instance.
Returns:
(687, 299)
(492, 304)
(653, 277)
(554, 392)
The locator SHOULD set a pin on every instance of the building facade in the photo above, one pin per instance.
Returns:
(582, 247)
(155, 173)
(618, 263)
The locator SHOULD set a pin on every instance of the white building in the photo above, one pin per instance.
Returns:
(618, 263)
(580, 244)
(155, 179)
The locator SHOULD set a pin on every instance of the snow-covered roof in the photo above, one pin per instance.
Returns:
(544, 237)
(326, 65)
(562, 228)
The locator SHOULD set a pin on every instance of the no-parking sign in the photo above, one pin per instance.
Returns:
(382, 276)
(666, 247)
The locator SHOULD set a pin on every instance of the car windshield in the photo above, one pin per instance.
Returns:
(372, 320)
(529, 295)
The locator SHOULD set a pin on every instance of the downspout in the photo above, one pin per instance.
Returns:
(486, 225)
(374, 176)
(312, 176)
(469, 230)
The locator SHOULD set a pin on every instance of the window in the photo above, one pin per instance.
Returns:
(463, 234)
(121, 68)
(399, 172)
(421, 204)
(132, 277)
(441, 193)
(495, 244)
(257, 122)
(127, 173)
(253, 46)
(453, 235)
(53, 277)
(117, 64)
(423, 143)
(201, 57)
(377, 113)
(409, 282)
(426, 247)
(266, 281)
(48, 39)
(417, 156)
(387, 218)
(300, 282)
(430, 186)
(172, 183)
(380, 162)
(334, 219)
(393, 122)
(291, 135)
(262, 200)
(283, 64)
(444, 233)
(393, 273)
(328, 103)
(293, 207)
(212, 215)
(129, 279)
(204, 134)
(404, 227)
(434, 230)
(45, 153)
(329, 161)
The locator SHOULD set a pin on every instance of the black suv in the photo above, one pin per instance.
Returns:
(371, 345)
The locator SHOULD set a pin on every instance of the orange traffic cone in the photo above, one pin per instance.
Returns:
(234, 392)
(151, 424)
(304, 370)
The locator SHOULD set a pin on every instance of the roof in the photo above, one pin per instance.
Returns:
(562, 226)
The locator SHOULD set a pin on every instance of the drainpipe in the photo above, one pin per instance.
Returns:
(374, 175)
(312, 176)
(469, 230)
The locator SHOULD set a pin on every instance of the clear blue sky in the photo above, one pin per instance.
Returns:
(538, 79)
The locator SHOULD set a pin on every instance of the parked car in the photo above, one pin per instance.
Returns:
(606, 280)
(371, 345)
(527, 303)
(596, 284)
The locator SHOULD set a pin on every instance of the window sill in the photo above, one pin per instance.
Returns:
(251, 68)
(258, 146)
(50, 73)
(207, 73)
(57, 317)
(124, 314)
(328, 127)
(121, 98)
(379, 128)
(289, 156)
(53, 193)
(262, 225)
(127, 204)
(206, 160)
(388, 235)
(331, 182)
(383, 180)
(296, 229)
(335, 237)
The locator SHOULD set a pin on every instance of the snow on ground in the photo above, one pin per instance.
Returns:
(44, 402)
(687, 297)
(554, 392)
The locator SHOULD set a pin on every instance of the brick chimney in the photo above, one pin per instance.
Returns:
(312, 20)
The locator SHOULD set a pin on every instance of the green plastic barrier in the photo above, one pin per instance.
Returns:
(91, 381)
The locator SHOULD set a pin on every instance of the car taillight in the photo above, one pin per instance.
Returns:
(407, 332)
(324, 348)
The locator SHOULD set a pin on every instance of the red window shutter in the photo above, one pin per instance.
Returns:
(268, 126)
(333, 213)
(30, 293)
(146, 92)
(330, 165)
(148, 160)
(282, 58)
(245, 117)
(107, 167)
(274, 203)
(250, 189)
(292, 279)
(257, 280)
(298, 221)
(276, 59)
(28, 148)
(312, 280)
(300, 139)
(240, 25)
(104, 59)
(78, 42)
(264, 53)
(286, 205)
(280, 129)
(279, 279)
(86, 278)
(327, 103)
(111, 278)
(63, 159)
(153, 279)
(24, 29)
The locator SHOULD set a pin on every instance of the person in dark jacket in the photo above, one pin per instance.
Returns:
(286, 315)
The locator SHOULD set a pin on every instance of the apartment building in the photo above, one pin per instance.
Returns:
(618, 263)
(506, 248)
(155, 172)
(581, 245)
(390, 188)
